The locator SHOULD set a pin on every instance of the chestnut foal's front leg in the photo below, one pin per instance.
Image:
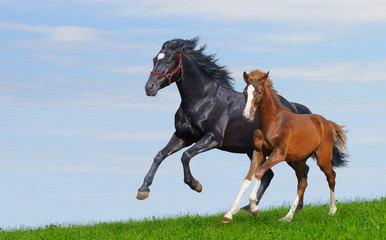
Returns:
(278, 155)
(257, 159)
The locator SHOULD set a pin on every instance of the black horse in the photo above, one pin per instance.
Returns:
(210, 114)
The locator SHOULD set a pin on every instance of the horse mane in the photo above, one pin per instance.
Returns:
(257, 74)
(208, 63)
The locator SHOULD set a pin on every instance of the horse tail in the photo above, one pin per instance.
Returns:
(338, 152)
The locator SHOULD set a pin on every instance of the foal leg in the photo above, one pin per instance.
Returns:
(299, 168)
(255, 162)
(306, 170)
(259, 143)
(254, 209)
(324, 163)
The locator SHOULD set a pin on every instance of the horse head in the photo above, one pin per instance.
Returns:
(165, 66)
(253, 92)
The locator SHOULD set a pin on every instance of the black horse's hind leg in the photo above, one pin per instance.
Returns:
(173, 146)
(204, 144)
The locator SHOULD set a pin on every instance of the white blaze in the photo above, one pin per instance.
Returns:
(247, 108)
(160, 56)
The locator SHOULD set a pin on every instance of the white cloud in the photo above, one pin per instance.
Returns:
(293, 38)
(356, 11)
(140, 70)
(105, 135)
(59, 33)
(74, 37)
(334, 72)
(61, 60)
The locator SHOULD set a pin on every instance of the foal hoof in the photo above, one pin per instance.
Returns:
(142, 195)
(226, 220)
(285, 219)
(255, 213)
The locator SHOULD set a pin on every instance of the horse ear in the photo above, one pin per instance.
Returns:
(246, 77)
(262, 80)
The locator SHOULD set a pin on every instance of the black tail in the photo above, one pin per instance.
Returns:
(339, 158)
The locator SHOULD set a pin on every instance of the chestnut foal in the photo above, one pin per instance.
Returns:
(285, 136)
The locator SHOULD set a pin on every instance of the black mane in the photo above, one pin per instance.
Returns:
(207, 62)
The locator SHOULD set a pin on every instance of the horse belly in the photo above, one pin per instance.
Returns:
(302, 145)
(238, 136)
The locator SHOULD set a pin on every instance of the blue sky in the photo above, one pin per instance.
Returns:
(78, 133)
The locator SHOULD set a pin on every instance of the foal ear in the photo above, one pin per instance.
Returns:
(264, 78)
(246, 77)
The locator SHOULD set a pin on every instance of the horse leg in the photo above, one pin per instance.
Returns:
(247, 181)
(324, 156)
(259, 143)
(206, 143)
(299, 168)
(264, 183)
(306, 169)
(173, 146)
(277, 156)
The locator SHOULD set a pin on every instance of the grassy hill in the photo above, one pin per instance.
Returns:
(353, 220)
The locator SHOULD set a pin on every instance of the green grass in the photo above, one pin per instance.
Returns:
(353, 220)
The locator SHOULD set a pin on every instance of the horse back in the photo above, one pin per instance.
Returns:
(306, 132)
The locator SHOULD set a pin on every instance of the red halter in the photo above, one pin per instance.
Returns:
(170, 75)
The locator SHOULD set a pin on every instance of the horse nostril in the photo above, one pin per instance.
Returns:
(152, 86)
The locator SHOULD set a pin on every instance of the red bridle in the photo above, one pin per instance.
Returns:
(170, 75)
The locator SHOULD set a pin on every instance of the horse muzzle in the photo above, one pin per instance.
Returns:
(248, 115)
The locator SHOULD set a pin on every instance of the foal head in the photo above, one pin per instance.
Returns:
(256, 81)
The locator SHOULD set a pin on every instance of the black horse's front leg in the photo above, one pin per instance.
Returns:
(206, 143)
(173, 146)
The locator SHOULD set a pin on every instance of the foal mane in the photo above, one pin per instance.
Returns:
(256, 75)
(208, 63)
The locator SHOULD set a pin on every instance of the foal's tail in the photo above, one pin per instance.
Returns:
(338, 154)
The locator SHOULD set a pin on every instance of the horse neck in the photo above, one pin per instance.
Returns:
(196, 85)
(268, 109)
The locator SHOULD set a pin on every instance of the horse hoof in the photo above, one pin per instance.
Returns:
(226, 220)
(256, 213)
(142, 195)
(285, 219)
(199, 187)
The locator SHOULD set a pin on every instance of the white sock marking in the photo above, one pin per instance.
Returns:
(252, 197)
(332, 203)
(235, 205)
(291, 212)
